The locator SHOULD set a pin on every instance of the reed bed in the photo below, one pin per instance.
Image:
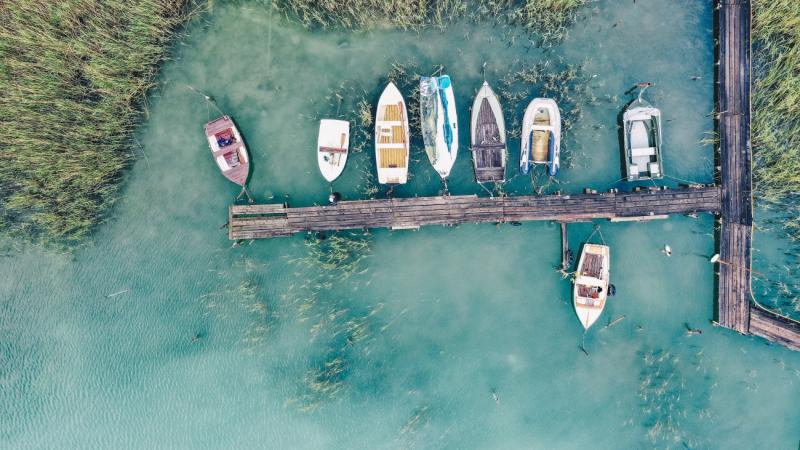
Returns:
(73, 77)
(776, 135)
(776, 99)
(547, 19)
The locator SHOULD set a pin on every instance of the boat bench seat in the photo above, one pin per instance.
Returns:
(332, 150)
(646, 151)
(391, 158)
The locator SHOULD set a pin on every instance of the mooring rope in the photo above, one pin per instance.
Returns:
(596, 231)
(680, 179)
(491, 194)
(208, 98)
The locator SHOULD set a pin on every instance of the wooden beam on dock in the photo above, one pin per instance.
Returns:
(265, 221)
(565, 253)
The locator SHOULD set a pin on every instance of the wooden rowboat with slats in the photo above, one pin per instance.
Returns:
(488, 137)
(391, 137)
(228, 150)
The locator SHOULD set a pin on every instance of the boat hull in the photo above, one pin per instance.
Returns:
(488, 136)
(439, 123)
(228, 149)
(642, 142)
(333, 144)
(591, 283)
(391, 137)
(540, 141)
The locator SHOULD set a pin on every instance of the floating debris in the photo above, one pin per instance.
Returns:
(613, 322)
(117, 293)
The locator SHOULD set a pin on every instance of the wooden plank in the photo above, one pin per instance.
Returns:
(639, 218)
(565, 253)
(775, 327)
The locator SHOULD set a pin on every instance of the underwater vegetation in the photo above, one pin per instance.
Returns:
(73, 75)
(343, 329)
(672, 397)
(546, 19)
(242, 289)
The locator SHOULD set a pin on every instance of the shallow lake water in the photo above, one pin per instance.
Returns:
(158, 334)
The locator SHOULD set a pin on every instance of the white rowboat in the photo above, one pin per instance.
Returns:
(591, 283)
(391, 137)
(332, 147)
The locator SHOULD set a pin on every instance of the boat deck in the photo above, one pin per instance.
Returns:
(592, 265)
(489, 151)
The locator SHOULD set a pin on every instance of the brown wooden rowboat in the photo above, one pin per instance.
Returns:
(228, 149)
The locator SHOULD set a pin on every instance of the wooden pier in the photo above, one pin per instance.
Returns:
(734, 133)
(736, 307)
(265, 221)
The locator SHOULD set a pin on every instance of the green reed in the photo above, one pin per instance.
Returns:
(546, 19)
(776, 99)
(776, 133)
(73, 76)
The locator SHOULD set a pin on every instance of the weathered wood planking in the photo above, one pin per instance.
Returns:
(735, 242)
(262, 221)
(564, 247)
(774, 327)
(735, 155)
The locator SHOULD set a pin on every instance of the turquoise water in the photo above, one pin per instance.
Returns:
(158, 334)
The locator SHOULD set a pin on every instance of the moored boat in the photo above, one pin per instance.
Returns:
(228, 149)
(439, 122)
(488, 137)
(332, 147)
(541, 136)
(642, 140)
(391, 137)
(591, 283)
